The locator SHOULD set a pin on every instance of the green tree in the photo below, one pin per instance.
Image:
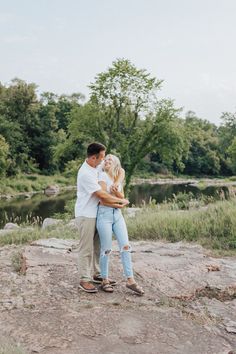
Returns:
(18, 116)
(4, 151)
(126, 115)
(45, 138)
(231, 151)
(204, 156)
(227, 133)
(63, 106)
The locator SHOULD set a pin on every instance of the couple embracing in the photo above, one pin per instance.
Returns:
(100, 198)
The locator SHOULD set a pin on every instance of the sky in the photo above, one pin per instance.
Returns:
(61, 45)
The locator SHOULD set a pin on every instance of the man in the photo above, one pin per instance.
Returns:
(89, 192)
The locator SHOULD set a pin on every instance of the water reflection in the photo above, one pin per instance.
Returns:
(40, 206)
(161, 192)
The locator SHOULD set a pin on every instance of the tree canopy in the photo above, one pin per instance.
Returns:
(49, 133)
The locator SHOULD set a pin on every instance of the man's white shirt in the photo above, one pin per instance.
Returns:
(87, 184)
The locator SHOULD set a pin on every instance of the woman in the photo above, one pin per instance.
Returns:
(110, 220)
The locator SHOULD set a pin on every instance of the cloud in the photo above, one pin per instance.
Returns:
(17, 38)
(7, 17)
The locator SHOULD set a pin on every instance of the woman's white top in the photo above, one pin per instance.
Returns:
(104, 177)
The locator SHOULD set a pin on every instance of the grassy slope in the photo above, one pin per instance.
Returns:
(213, 227)
(31, 183)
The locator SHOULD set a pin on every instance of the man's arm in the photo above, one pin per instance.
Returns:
(109, 199)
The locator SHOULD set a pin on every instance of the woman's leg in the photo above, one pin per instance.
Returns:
(104, 227)
(120, 231)
(121, 234)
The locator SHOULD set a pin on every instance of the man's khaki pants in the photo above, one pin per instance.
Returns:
(89, 248)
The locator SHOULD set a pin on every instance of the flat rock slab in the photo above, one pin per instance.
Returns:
(181, 270)
(176, 270)
(56, 243)
(189, 304)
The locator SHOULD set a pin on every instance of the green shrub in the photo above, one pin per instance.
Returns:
(71, 168)
(214, 226)
(31, 177)
(8, 347)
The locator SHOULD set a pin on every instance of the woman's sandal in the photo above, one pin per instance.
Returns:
(135, 288)
(107, 288)
(98, 280)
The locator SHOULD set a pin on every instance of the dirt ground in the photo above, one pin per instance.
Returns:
(189, 304)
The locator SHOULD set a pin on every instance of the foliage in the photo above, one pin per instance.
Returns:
(227, 133)
(16, 261)
(125, 114)
(203, 157)
(71, 168)
(7, 346)
(232, 155)
(214, 227)
(32, 183)
(49, 133)
(4, 151)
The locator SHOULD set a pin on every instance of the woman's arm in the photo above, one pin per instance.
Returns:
(112, 201)
(115, 187)
(115, 191)
(120, 177)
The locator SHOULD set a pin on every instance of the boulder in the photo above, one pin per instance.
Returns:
(48, 222)
(51, 190)
(11, 226)
(131, 212)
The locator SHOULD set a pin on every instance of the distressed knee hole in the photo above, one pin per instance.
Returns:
(106, 252)
(126, 248)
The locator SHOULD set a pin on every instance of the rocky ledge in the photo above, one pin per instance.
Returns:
(189, 304)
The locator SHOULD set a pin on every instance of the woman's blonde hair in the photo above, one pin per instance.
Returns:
(115, 168)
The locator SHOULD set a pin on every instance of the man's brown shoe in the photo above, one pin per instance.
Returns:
(87, 287)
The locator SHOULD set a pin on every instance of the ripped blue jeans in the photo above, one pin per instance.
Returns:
(110, 221)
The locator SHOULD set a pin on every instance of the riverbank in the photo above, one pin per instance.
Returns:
(200, 183)
(212, 226)
(30, 184)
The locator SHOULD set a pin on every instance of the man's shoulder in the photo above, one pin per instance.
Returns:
(102, 175)
(86, 175)
(83, 169)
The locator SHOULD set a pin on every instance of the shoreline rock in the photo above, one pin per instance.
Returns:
(189, 304)
(52, 190)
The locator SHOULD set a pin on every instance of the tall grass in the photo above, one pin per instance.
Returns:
(8, 347)
(27, 235)
(30, 183)
(213, 226)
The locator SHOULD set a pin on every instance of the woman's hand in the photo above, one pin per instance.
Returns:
(114, 188)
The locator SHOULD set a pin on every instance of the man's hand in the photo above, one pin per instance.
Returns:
(121, 205)
(107, 198)
(125, 202)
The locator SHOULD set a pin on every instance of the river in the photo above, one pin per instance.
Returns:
(39, 206)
